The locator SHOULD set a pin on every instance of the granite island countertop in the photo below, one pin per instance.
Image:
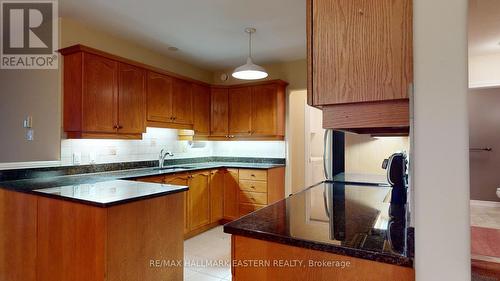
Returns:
(340, 218)
(110, 188)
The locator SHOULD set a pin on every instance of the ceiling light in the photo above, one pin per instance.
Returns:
(250, 71)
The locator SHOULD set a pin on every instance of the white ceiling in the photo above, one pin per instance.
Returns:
(484, 27)
(208, 33)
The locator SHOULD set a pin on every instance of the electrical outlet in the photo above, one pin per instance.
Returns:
(112, 150)
(77, 158)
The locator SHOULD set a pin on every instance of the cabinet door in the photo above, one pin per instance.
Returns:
(361, 50)
(231, 188)
(219, 112)
(184, 181)
(159, 98)
(100, 91)
(240, 111)
(264, 110)
(201, 110)
(182, 102)
(131, 99)
(216, 195)
(199, 200)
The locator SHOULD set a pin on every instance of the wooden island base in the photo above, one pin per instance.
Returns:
(253, 251)
(44, 239)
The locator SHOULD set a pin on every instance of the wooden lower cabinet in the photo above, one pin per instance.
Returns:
(231, 190)
(180, 179)
(44, 239)
(18, 236)
(248, 249)
(224, 194)
(199, 200)
(216, 195)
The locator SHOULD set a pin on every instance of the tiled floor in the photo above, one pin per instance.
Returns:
(207, 256)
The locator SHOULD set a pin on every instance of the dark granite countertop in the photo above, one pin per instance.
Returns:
(340, 218)
(70, 187)
(357, 178)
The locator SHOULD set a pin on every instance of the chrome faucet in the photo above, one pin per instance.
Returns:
(163, 154)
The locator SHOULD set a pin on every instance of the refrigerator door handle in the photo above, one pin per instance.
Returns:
(327, 154)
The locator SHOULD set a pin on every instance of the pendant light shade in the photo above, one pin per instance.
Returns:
(250, 71)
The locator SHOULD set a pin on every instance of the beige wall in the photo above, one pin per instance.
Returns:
(73, 32)
(484, 122)
(484, 71)
(37, 93)
(296, 140)
(364, 154)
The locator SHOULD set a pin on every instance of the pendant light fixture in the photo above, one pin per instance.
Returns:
(250, 71)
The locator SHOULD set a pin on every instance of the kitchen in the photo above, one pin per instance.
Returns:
(224, 135)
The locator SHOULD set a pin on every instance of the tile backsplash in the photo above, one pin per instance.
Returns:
(111, 151)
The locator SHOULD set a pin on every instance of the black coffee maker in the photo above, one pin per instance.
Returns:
(396, 166)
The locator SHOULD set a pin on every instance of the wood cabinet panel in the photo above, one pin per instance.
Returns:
(201, 110)
(159, 97)
(142, 231)
(199, 200)
(244, 249)
(253, 174)
(61, 243)
(131, 99)
(182, 179)
(246, 208)
(100, 93)
(219, 123)
(268, 115)
(240, 111)
(18, 236)
(254, 186)
(216, 195)
(231, 191)
(253, 197)
(182, 102)
(362, 50)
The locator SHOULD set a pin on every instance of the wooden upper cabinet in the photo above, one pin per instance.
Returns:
(100, 93)
(159, 98)
(219, 123)
(240, 111)
(182, 102)
(268, 110)
(199, 200)
(201, 109)
(360, 52)
(131, 99)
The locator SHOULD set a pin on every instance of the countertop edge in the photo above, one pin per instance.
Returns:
(322, 247)
(105, 205)
(132, 178)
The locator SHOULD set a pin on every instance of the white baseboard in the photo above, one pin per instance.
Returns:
(25, 165)
(485, 203)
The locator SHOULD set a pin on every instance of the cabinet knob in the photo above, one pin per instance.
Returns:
(120, 127)
(361, 12)
(252, 175)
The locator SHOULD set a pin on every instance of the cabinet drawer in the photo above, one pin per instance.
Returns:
(253, 197)
(248, 208)
(254, 186)
(258, 175)
(153, 179)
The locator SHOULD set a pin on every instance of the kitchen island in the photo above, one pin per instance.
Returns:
(124, 221)
(331, 231)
